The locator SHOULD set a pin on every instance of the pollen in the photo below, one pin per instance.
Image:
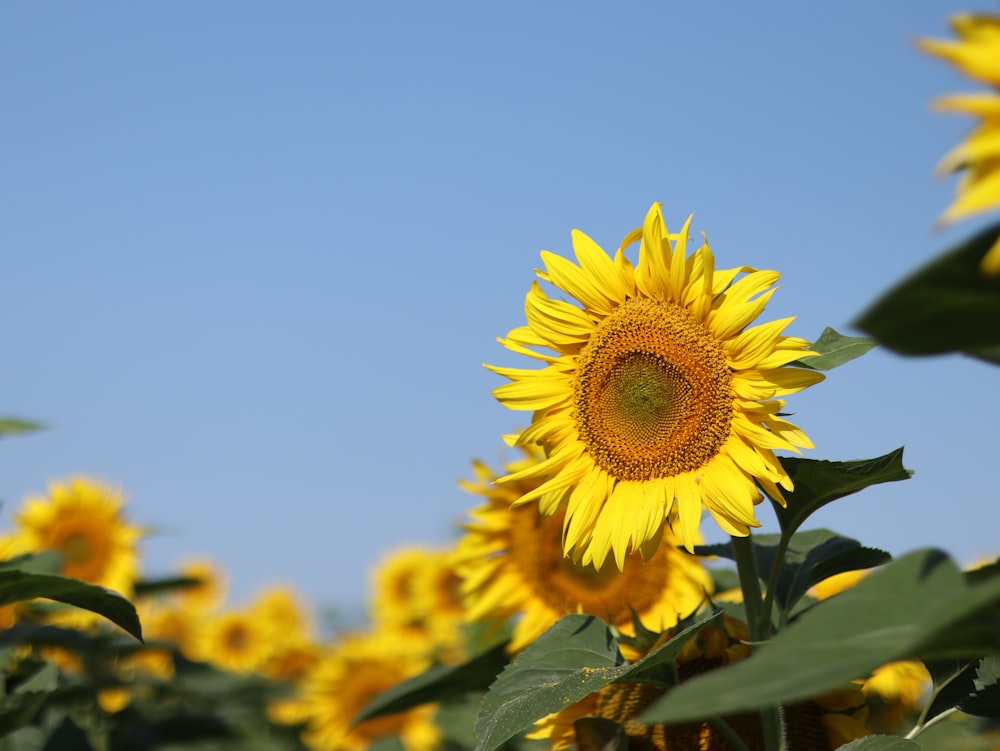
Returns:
(652, 392)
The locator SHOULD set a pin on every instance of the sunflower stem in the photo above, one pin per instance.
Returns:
(758, 621)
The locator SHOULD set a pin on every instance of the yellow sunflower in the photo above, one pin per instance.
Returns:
(511, 562)
(976, 53)
(826, 722)
(355, 671)
(210, 591)
(235, 640)
(82, 520)
(658, 398)
(416, 592)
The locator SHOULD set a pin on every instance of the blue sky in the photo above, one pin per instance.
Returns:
(255, 254)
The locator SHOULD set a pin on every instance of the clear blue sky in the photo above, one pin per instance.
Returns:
(255, 254)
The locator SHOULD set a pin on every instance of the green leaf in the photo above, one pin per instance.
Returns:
(809, 558)
(154, 587)
(440, 683)
(14, 426)
(819, 482)
(918, 607)
(835, 349)
(21, 585)
(18, 708)
(985, 699)
(573, 658)
(954, 680)
(68, 736)
(881, 743)
(946, 306)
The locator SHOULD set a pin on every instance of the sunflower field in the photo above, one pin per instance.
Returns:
(579, 606)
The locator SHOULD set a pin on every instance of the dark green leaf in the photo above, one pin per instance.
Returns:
(810, 557)
(985, 700)
(835, 349)
(986, 354)
(13, 426)
(16, 586)
(858, 559)
(599, 734)
(819, 482)
(68, 736)
(440, 683)
(881, 743)
(17, 710)
(573, 658)
(918, 607)
(954, 680)
(153, 587)
(946, 306)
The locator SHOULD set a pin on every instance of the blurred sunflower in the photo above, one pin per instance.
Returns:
(235, 640)
(283, 613)
(82, 520)
(511, 561)
(976, 53)
(210, 591)
(658, 400)
(416, 592)
(347, 678)
(817, 725)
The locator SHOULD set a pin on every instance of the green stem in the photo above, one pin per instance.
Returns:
(772, 583)
(933, 721)
(759, 622)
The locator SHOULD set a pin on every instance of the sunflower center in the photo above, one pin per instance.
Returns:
(652, 392)
(77, 548)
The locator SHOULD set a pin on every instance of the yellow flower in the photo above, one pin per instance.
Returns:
(283, 614)
(82, 520)
(658, 396)
(826, 722)
(511, 562)
(976, 53)
(235, 640)
(416, 593)
(354, 672)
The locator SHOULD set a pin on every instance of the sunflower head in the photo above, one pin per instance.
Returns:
(656, 397)
(511, 564)
(975, 52)
(826, 722)
(352, 673)
(82, 520)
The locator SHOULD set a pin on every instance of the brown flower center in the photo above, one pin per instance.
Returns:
(652, 392)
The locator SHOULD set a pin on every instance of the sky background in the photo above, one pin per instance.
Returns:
(255, 254)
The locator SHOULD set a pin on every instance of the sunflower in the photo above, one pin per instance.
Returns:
(976, 53)
(826, 722)
(416, 593)
(82, 520)
(210, 591)
(356, 670)
(282, 612)
(658, 397)
(511, 562)
(235, 640)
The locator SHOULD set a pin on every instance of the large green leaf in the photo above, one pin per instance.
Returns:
(16, 585)
(19, 707)
(918, 607)
(819, 482)
(835, 349)
(440, 683)
(574, 658)
(946, 306)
